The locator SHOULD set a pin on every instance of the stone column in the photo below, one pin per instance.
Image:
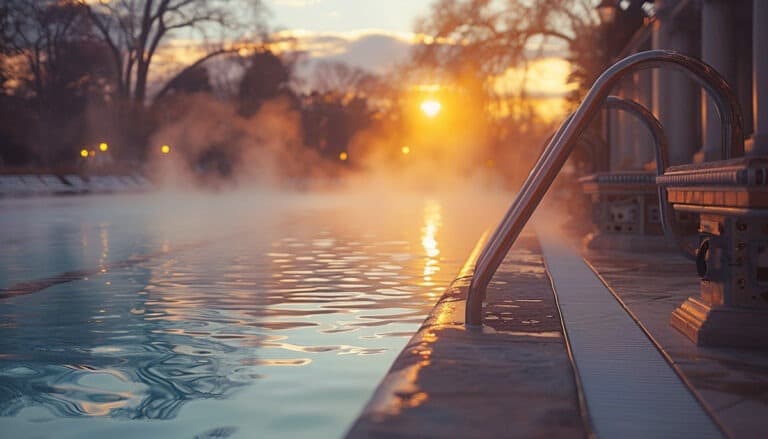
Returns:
(760, 76)
(613, 138)
(675, 95)
(718, 49)
(629, 131)
(645, 97)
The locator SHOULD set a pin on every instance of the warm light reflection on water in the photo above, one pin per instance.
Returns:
(280, 319)
(432, 224)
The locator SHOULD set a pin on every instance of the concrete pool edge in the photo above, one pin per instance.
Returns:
(512, 378)
(383, 400)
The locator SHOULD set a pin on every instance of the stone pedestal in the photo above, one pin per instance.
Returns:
(731, 198)
(625, 211)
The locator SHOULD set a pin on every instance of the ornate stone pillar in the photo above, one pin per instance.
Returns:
(760, 77)
(675, 96)
(644, 96)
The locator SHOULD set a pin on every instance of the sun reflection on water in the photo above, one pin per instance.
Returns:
(432, 224)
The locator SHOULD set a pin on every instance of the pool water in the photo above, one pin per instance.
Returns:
(249, 315)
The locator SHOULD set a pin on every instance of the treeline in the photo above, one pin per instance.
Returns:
(76, 74)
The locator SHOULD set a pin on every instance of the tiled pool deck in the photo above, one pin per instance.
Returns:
(516, 377)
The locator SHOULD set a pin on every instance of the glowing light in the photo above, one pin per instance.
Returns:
(432, 222)
(431, 107)
(92, 153)
(84, 153)
(343, 156)
(428, 88)
(165, 149)
(103, 147)
(406, 150)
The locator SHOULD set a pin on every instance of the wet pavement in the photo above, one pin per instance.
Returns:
(731, 383)
(512, 379)
(515, 377)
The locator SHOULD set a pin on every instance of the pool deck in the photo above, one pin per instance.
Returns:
(513, 378)
(524, 375)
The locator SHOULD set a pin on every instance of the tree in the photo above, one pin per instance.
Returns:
(54, 69)
(194, 80)
(487, 37)
(39, 32)
(265, 78)
(339, 77)
(134, 30)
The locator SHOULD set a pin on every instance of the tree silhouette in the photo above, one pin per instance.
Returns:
(488, 37)
(58, 70)
(135, 29)
(265, 78)
(339, 77)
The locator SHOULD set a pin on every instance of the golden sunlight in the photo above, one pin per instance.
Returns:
(543, 77)
(431, 107)
(545, 83)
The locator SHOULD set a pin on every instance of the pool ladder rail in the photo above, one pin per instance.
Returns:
(561, 145)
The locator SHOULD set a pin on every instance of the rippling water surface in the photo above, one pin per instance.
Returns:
(237, 316)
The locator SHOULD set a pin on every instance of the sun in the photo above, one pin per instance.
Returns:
(431, 108)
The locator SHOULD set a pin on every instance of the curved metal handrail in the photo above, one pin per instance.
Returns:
(661, 153)
(557, 151)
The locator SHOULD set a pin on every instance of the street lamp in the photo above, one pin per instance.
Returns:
(607, 11)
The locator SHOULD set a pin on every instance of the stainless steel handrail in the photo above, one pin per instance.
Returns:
(660, 152)
(559, 148)
(672, 231)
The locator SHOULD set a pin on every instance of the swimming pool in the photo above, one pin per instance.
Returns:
(215, 316)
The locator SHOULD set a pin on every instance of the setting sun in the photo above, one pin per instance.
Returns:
(431, 107)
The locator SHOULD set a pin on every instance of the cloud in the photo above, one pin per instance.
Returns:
(372, 49)
(297, 3)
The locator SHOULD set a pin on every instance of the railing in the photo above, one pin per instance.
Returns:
(559, 148)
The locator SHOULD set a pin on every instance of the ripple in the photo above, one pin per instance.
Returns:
(204, 324)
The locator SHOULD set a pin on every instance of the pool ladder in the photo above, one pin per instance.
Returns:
(561, 145)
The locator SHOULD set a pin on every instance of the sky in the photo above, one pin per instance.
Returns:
(373, 34)
(378, 34)
(347, 15)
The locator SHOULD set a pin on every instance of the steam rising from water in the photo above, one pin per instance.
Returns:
(266, 150)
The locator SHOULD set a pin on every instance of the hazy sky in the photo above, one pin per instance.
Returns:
(377, 34)
(347, 15)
